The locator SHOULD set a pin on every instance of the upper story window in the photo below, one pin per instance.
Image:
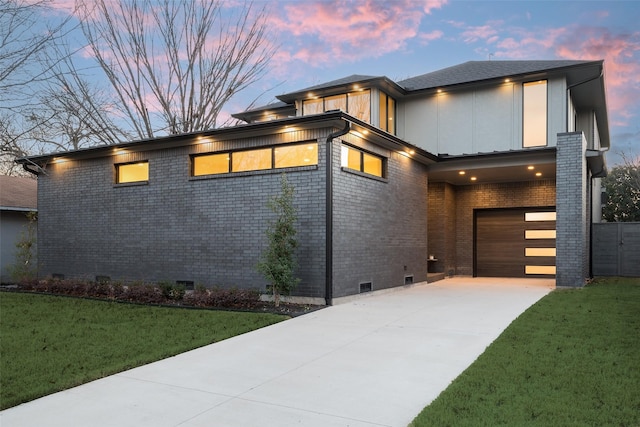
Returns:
(358, 104)
(387, 113)
(281, 156)
(132, 172)
(361, 161)
(534, 114)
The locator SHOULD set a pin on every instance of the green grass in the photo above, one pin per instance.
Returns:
(573, 359)
(50, 343)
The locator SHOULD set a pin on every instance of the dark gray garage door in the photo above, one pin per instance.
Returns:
(515, 242)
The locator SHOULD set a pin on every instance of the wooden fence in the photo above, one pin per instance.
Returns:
(616, 249)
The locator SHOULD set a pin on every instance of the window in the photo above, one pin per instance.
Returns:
(353, 158)
(132, 172)
(252, 160)
(211, 164)
(289, 156)
(534, 109)
(336, 102)
(358, 104)
(282, 156)
(387, 113)
(312, 106)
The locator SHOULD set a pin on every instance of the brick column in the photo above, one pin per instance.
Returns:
(572, 250)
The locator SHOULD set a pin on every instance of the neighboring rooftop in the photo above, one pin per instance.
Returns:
(18, 193)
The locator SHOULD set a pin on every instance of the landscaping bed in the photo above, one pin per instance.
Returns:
(164, 294)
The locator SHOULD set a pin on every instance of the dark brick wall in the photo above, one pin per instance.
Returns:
(210, 231)
(442, 223)
(574, 213)
(457, 203)
(380, 227)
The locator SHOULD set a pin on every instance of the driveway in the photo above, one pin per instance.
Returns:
(374, 361)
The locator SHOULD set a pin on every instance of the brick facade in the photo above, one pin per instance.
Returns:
(573, 211)
(380, 226)
(211, 230)
(206, 230)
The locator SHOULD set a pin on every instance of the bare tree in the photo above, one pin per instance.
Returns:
(23, 40)
(174, 64)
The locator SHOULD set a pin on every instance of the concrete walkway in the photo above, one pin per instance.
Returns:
(375, 361)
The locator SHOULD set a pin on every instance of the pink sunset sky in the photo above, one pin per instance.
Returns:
(323, 40)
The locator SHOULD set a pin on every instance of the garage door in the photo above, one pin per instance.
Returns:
(515, 242)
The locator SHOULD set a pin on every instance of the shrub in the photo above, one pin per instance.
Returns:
(143, 293)
(172, 291)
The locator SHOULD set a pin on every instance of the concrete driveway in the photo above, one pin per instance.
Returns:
(374, 361)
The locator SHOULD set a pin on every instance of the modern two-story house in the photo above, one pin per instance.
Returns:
(486, 168)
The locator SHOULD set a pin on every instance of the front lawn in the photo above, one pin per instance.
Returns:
(572, 359)
(50, 343)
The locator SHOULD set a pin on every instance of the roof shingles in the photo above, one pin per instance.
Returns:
(18, 193)
(475, 71)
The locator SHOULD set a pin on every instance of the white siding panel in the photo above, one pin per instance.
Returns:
(556, 109)
(455, 120)
(494, 120)
(421, 123)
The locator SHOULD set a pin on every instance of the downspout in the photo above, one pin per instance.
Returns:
(36, 172)
(329, 213)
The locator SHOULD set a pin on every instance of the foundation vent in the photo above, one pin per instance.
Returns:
(408, 280)
(366, 287)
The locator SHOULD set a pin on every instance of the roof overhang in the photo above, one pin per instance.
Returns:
(330, 120)
(383, 83)
(508, 166)
(587, 87)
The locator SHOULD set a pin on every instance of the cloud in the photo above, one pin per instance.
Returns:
(484, 32)
(425, 38)
(621, 54)
(338, 30)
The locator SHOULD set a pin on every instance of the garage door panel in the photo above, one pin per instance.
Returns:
(514, 243)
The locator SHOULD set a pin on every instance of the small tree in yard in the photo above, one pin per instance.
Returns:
(278, 262)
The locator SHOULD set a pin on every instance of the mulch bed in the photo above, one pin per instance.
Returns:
(149, 294)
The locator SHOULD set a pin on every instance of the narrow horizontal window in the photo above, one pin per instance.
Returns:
(353, 158)
(280, 156)
(210, 164)
(540, 234)
(132, 172)
(540, 269)
(551, 252)
(252, 160)
(290, 156)
(540, 216)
